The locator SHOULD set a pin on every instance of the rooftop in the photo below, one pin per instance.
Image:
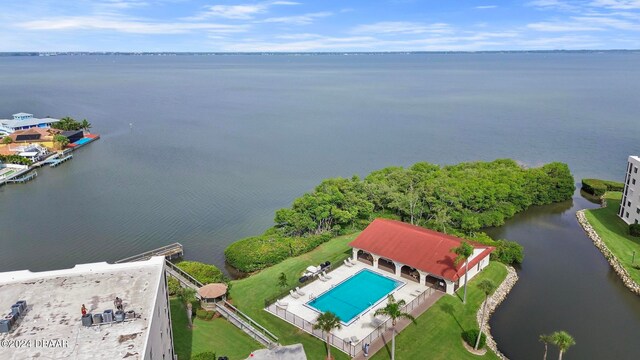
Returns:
(420, 248)
(52, 328)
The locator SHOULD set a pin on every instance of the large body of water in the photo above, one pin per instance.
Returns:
(217, 143)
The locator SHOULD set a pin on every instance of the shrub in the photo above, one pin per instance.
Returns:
(258, 252)
(470, 337)
(634, 230)
(205, 273)
(173, 285)
(598, 187)
(7, 140)
(205, 314)
(508, 252)
(204, 356)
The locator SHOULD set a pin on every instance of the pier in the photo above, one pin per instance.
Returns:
(57, 161)
(170, 252)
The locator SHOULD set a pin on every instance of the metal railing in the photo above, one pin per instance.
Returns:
(234, 318)
(346, 345)
(171, 249)
(188, 278)
(250, 320)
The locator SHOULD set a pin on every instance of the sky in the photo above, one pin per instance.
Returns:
(320, 25)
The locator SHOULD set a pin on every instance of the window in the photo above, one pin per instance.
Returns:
(633, 181)
(635, 169)
(476, 269)
(638, 211)
(628, 203)
(626, 215)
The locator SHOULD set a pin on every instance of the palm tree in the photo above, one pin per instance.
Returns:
(326, 322)
(394, 311)
(61, 141)
(188, 296)
(487, 287)
(85, 125)
(563, 341)
(464, 251)
(545, 339)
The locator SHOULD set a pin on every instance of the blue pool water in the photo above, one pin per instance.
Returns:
(82, 141)
(355, 295)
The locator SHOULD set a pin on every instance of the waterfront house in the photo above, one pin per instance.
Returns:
(24, 121)
(418, 254)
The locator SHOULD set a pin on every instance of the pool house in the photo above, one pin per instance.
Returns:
(388, 258)
(417, 254)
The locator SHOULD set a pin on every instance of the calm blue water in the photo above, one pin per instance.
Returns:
(354, 295)
(218, 143)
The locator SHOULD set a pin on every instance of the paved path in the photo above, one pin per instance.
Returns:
(379, 343)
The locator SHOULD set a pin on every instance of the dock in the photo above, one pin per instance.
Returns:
(57, 161)
(170, 252)
(22, 179)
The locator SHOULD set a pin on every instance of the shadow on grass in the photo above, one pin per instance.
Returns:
(182, 334)
(449, 309)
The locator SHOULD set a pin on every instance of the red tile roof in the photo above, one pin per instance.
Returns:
(420, 248)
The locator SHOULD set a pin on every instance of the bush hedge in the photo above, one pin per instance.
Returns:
(470, 337)
(173, 285)
(634, 230)
(205, 273)
(598, 187)
(208, 355)
(258, 252)
(205, 314)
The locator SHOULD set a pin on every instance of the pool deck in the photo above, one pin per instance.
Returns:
(365, 323)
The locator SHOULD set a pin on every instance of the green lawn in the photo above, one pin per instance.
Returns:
(217, 335)
(615, 233)
(438, 332)
(249, 294)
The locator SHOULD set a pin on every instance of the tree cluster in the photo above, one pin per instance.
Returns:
(15, 159)
(68, 123)
(457, 199)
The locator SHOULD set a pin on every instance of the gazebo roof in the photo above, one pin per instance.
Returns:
(212, 291)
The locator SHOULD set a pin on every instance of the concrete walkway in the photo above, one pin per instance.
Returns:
(380, 342)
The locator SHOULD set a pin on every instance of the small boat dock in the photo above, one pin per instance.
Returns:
(53, 162)
(170, 252)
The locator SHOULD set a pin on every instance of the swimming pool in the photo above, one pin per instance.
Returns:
(353, 296)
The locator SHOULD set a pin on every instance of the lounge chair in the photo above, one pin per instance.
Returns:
(322, 278)
(416, 292)
(294, 294)
(353, 262)
(300, 292)
(354, 339)
(347, 263)
(282, 304)
(324, 273)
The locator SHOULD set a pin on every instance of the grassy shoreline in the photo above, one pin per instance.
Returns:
(615, 233)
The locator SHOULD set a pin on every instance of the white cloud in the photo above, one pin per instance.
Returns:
(482, 7)
(126, 25)
(562, 27)
(303, 19)
(400, 27)
(238, 12)
(617, 4)
(553, 5)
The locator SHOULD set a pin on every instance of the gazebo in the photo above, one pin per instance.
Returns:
(212, 293)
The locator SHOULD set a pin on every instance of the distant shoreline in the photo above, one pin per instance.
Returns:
(334, 53)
